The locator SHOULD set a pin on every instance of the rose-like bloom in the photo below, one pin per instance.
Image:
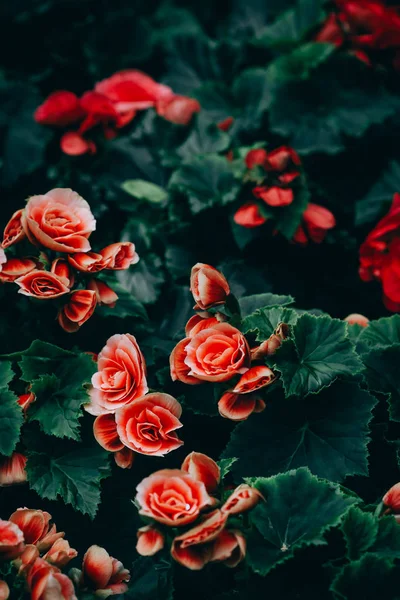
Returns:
(102, 572)
(172, 497)
(198, 323)
(215, 354)
(42, 285)
(12, 469)
(124, 458)
(238, 407)
(60, 553)
(4, 590)
(150, 541)
(59, 109)
(392, 498)
(257, 157)
(119, 256)
(25, 400)
(249, 216)
(15, 268)
(254, 379)
(208, 286)
(317, 221)
(243, 498)
(121, 375)
(283, 159)
(99, 109)
(13, 231)
(60, 220)
(11, 540)
(87, 262)
(104, 294)
(379, 255)
(74, 144)
(147, 426)
(356, 319)
(202, 468)
(194, 548)
(178, 109)
(45, 581)
(33, 523)
(274, 196)
(78, 310)
(371, 24)
(60, 267)
(229, 547)
(132, 90)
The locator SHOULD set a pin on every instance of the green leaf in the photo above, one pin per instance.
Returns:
(200, 399)
(144, 190)
(151, 579)
(41, 358)
(360, 530)
(383, 332)
(383, 375)
(143, 282)
(328, 433)
(264, 321)
(341, 97)
(318, 353)
(205, 138)
(74, 476)
(127, 305)
(59, 397)
(379, 198)
(10, 412)
(205, 181)
(369, 578)
(249, 304)
(216, 101)
(225, 465)
(299, 64)
(298, 510)
(292, 25)
(387, 542)
(252, 92)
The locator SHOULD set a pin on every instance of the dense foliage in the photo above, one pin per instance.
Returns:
(200, 346)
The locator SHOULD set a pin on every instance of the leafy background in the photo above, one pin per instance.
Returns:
(252, 60)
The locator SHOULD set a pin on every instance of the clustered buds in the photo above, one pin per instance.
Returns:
(215, 351)
(174, 498)
(129, 419)
(39, 553)
(60, 222)
(112, 104)
(276, 174)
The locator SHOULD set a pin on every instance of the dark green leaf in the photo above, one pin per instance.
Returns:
(341, 97)
(369, 578)
(205, 138)
(252, 92)
(74, 476)
(383, 332)
(299, 64)
(41, 358)
(127, 305)
(292, 25)
(144, 190)
(151, 579)
(225, 464)
(360, 530)
(318, 353)
(264, 321)
(142, 282)
(380, 196)
(328, 433)
(298, 510)
(383, 375)
(249, 304)
(205, 181)
(10, 412)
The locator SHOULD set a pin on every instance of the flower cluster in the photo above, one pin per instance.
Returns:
(215, 351)
(275, 174)
(363, 27)
(380, 256)
(112, 104)
(128, 418)
(60, 222)
(175, 498)
(38, 553)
